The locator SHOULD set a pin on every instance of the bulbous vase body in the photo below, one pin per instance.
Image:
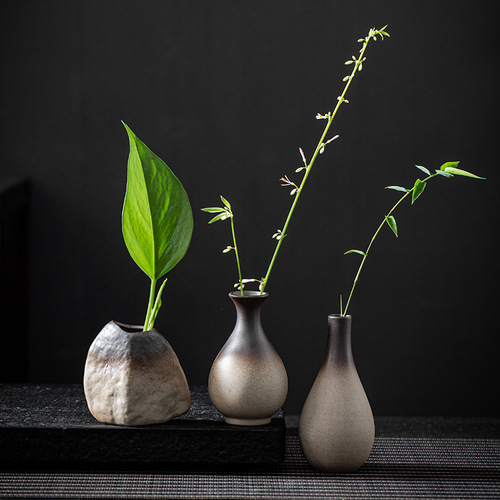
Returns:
(336, 427)
(248, 381)
(133, 377)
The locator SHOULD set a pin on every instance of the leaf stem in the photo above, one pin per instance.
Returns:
(151, 302)
(237, 254)
(157, 305)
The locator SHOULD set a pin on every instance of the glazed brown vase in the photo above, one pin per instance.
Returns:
(336, 427)
(133, 377)
(248, 381)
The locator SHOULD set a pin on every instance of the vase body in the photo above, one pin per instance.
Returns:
(336, 427)
(133, 377)
(248, 381)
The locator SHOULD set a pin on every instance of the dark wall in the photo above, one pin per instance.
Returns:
(226, 92)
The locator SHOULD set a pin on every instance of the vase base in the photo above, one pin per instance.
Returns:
(247, 421)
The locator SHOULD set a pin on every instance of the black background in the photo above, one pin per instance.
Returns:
(226, 92)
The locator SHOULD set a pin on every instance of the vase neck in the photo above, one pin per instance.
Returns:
(338, 349)
(248, 308)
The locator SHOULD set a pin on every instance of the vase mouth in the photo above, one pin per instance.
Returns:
(129, 328)
(248, 294)
(339, 316)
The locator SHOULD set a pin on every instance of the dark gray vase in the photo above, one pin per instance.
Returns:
(134, 377)
(336, 427)
(248, 381)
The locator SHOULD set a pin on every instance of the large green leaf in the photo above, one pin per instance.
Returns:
(157, 220)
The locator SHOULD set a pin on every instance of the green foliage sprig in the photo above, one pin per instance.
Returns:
(157, 220)
(224, 213)
(447, 170)
(296, 189)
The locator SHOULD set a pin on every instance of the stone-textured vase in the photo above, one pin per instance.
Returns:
(248, 381)
(134, 377)
(336, 427)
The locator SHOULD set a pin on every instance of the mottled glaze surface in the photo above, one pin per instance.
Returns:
(336, 427)
(134, 378)
(248, 381)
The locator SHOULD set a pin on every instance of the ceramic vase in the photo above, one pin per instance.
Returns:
(134, 377)
(248, 381)
(336, 427)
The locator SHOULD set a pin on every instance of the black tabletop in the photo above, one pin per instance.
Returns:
(412, 458)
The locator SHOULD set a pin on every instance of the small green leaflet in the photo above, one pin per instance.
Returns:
(397, 188)
(418, 189)
(224, 213)
(355, 251)
(213, 210)
(223, 216)
(391, 221)
(458, 171)
(228, 205)
(423, 169)
(443, 173)
(448, 164)
(450, 167)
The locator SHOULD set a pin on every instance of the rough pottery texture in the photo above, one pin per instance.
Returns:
(248, 381)
(336, 426)
(134, 378)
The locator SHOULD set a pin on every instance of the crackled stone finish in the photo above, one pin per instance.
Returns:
(134, 378)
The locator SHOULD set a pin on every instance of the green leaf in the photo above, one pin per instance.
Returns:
(213, 210)
(218, 217)
(444, 174)
(391, 221)
(157, 220)
(423, 169)
(458, 171)
(355, 251)
(452, 164)
(228, 205)
(418, 189)
(397, 188)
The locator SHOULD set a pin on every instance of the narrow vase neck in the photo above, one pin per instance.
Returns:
(248, 308)
(338, 348)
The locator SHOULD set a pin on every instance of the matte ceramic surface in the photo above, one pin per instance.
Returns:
(248, 381)
(336, 427)
(134, 378)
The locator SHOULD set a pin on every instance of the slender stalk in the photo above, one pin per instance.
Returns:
(356, 279)
(157, 305)
(237, 254)
(321, 144)
(151, 302)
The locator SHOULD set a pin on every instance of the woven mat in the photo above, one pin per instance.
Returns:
(399, 468)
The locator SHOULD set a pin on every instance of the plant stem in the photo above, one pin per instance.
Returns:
(237, 254)
(409, 192)
(157, 305)
(320, 145)
(151, 302)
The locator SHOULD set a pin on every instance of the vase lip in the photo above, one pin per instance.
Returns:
(127, 328)
(250, 294)
(339, 316)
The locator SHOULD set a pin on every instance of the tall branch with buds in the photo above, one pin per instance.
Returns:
(357, 63)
